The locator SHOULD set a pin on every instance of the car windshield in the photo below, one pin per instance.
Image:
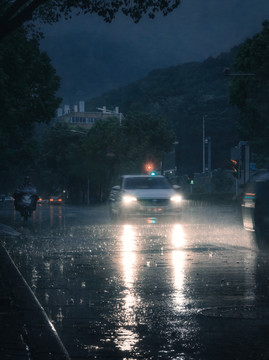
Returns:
(146, 183)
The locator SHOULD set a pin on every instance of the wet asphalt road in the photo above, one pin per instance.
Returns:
(196, 288)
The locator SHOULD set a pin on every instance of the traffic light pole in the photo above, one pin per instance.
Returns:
(204, 117)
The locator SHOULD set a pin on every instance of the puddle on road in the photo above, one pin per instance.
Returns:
(132, 289)
(235, 312)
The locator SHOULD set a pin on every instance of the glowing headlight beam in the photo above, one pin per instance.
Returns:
(176, 198)
(127, 199)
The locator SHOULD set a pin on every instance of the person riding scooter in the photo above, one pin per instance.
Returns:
(25, 188)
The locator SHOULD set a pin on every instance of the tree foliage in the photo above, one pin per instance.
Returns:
(28, 85)
(148, 139)
(16, 13)
(77, 160)
(251, 93)
(61, 158)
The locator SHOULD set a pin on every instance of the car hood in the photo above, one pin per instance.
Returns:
(151, 193)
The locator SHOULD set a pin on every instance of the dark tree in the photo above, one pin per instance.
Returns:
(250, 93)
(28, 86)
(79, 160)
(16, 13)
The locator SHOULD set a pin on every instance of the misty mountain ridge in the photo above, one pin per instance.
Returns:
(93, 57)
(183, 95)
(203, 81)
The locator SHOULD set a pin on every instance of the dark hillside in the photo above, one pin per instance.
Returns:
(183, 95)
(93, 57)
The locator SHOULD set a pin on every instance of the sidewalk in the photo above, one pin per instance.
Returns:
(26, 333)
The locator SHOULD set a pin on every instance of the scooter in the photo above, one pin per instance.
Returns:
(26, 204)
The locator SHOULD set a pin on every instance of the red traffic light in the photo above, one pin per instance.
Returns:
(149, 167)
(235, 167)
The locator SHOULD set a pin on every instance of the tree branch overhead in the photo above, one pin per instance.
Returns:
(19, 12)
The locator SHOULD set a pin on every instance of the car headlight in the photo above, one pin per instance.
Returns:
(176, 198)
(128, 199)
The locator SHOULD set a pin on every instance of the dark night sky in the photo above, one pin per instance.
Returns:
(93, 57)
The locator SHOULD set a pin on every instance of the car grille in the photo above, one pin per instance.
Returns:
(153, 202)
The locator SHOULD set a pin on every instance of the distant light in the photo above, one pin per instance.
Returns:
(149, 167)
(153, 173)
(152, 220)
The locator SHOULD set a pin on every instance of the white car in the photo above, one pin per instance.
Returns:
(144, 195)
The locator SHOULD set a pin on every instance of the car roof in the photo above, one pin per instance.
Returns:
(140, 176)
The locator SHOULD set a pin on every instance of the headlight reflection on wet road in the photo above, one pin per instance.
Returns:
(126, 338)
(129, 255)
(178, 263)
(56, 214)
(178, 236)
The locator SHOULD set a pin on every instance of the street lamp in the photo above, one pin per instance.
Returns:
(204, 117)
(208, 143)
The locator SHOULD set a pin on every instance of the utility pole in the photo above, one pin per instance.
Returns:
(204, 117)
(208, 143)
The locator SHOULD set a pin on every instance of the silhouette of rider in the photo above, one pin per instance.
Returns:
(25, 188)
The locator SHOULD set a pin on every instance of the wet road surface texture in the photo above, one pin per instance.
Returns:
(195, 288)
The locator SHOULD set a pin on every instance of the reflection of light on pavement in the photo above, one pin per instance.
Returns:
(128, 238)
(56, 211)
(126, 338)
(178, 258)
(178, 236)
(60, 215)
(129, 256)
(51, 216)
(251, 287)
(128, 260)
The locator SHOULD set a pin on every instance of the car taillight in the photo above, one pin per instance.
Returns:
(250, 195)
